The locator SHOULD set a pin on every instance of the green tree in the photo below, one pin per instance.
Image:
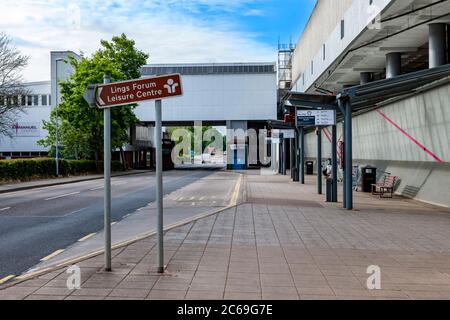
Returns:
(81, 127)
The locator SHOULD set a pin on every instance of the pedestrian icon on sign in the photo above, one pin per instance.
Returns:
(171, 86)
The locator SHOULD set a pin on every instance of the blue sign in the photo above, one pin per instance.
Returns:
(306, 121)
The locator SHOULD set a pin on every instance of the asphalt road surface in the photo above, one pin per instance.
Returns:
(35, 223)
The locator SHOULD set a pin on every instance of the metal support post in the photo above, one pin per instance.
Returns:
(334, 163)
(348, 157)
(292, 157)
(319, 160)
(159, 184)
(107, 178)
(302, 155)
(296, 157)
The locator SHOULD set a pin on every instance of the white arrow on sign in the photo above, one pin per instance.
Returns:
(99, 100)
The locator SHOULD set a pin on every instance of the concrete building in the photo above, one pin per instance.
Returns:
(240, 96)
(352, 42)
(28, 129)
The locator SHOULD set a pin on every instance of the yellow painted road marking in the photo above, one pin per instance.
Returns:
(235, 194)
(54, 254)
(86, 237)
(7, 278)
(32, 274)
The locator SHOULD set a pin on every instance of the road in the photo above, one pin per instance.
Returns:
(35, 223)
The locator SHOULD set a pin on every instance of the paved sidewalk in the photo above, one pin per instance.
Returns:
(283, 242)
(41, 183)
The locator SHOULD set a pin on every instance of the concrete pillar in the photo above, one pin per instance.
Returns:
(437, 44)
(365, 77)
(393, 64)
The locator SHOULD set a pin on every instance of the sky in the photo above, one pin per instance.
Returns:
(170, 31)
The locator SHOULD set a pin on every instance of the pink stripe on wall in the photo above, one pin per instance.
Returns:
(421, 146)
(327, 134)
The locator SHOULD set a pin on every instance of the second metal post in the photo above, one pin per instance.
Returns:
(159, 184)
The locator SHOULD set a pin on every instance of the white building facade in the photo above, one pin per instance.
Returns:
(29, 127)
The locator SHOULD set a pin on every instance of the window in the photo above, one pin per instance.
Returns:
(35, 100)
(324, 52)
(44, 100)
(342, 29)
(29, 100)
(312, 67)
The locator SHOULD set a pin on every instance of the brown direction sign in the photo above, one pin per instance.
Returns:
(133, 91)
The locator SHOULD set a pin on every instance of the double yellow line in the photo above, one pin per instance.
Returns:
(7, 278)
(235, 195)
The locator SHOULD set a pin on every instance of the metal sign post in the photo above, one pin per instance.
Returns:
(108, 95)
(107, 176)
(319, 118)
(159, 184)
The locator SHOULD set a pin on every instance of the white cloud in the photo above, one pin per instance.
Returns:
(169, 30)
(254, 13)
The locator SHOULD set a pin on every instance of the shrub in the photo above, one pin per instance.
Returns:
(27, 169)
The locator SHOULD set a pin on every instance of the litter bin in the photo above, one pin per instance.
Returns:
(329, 196)
(296, 177)
(309, 167)
(368, 177)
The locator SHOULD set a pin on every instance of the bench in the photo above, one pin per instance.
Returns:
(385, 186)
